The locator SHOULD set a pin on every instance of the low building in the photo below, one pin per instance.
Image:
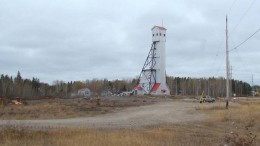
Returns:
(106, 93)
(85, 92)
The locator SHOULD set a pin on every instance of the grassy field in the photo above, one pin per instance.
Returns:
(69, 108)
(235, 126)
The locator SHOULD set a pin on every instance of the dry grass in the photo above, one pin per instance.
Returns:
(164, 135)
(242, 123)
(249, 110)
(210, 108)
(237, 126)
(51, 109)
(68, 108)
(248, 101)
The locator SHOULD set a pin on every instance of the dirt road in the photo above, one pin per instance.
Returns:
(133, 117)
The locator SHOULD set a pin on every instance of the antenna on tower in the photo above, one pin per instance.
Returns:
(162, 22)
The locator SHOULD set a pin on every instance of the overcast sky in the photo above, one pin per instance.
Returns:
(73, 40)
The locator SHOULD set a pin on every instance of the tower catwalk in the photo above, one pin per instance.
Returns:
(152, 79)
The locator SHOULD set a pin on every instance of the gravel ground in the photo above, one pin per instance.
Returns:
(173, 111)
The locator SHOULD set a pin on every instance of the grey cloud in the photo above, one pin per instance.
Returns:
(78, 40)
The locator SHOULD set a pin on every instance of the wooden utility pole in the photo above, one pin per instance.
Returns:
(253, 90)
(231, 83)
(227, 66)
(176, 89)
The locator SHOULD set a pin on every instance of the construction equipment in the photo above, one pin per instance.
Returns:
(205, 98)
(2, 102)
(16, 101)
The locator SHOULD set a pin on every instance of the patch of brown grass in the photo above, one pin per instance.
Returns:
(168, 135)
(238, 114)
(248, 101)
(52, 109)
(69, 108)
(209, 108)
(241, 124)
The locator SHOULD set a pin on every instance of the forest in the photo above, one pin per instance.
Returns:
(185, 86)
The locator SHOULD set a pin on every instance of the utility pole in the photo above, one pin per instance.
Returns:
(227, 66)
(253, 91)
(231, 83)
(176, 92)
(208, 87)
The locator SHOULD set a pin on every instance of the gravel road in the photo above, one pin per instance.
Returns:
(133, 117)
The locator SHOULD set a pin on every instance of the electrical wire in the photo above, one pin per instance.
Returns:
(236, 26)
(219, 67)
(232, 5)
(243, 16)
(221, 43)
(240, 20)
(245, 40)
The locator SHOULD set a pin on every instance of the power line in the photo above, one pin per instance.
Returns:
(245, 40)
(240, 20)
(243, 16)
(232, 5)
(219, 67)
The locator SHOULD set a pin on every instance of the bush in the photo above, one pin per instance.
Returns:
(246, 138)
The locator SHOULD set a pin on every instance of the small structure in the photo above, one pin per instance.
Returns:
(106, 93)
(85, 92)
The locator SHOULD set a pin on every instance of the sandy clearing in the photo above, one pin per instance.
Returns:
(133, 117)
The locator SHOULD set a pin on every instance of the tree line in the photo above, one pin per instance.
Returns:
(215, 87)
(33, 88)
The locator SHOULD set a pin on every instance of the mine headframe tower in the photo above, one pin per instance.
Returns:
(148, 73)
